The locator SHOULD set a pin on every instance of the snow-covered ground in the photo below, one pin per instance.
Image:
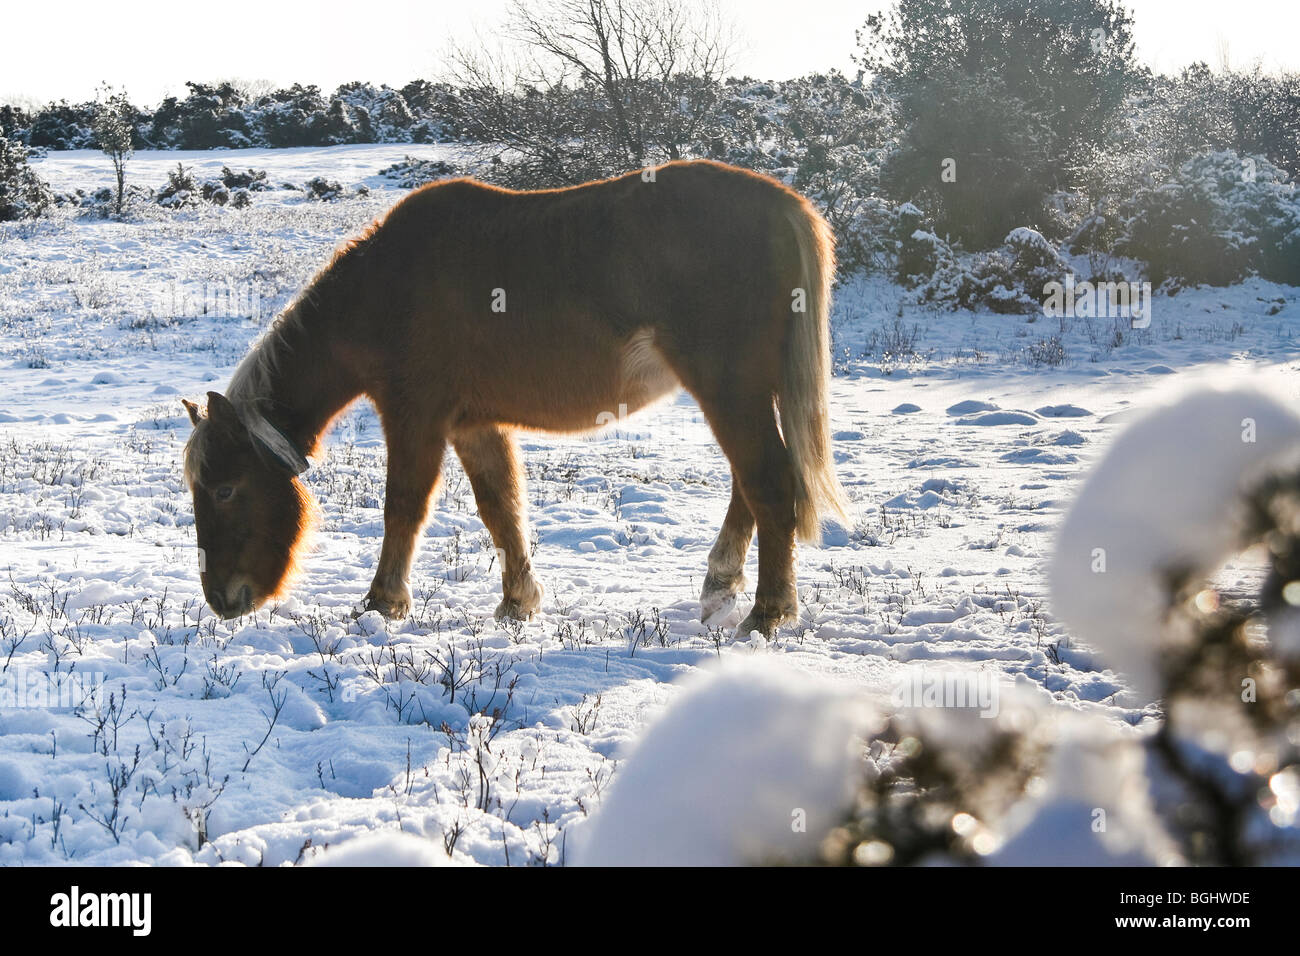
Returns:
(301, 727)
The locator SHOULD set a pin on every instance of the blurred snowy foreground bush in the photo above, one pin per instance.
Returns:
(763, 763)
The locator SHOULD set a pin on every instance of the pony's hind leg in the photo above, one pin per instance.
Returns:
(726, 575)
(747, 431)
(491, 461)
(414, 467)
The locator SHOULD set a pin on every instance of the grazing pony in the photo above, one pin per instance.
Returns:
(468, 312)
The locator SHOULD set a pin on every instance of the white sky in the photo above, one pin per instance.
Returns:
(163, 43)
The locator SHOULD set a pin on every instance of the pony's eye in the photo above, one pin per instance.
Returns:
(224, 493)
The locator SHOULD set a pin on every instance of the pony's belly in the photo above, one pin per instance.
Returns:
(584, 399)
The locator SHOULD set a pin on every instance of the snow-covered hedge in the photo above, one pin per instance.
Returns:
(1219, 218)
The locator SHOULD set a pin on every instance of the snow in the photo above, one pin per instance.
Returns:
(945, 560)
(386, 848)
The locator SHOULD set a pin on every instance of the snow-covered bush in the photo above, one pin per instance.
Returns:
(23, 194)
(1249, 112)
(922, 255)
(215, 192)
(287, 117)
(837, 131)
(181, 190)
(253, 180)
(231, 188)
(1184, 489)
(411, 173)
(325, 190)
(1220, 217)
(1011, 279)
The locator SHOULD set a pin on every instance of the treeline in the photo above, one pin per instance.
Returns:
(967, 120)
(226, 116)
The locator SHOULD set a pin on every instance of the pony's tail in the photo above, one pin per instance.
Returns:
(804, 392)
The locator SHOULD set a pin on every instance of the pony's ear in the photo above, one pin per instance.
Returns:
(222, 414)
(196, 416)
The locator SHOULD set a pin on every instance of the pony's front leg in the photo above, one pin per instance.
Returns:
(491, 460)
(414, 467)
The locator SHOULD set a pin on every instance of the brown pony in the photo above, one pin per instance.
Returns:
(470, 311)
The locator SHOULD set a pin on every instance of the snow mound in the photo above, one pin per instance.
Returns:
(1008, 417)
(753, 763)
(386, 848)
(970, 406)
(1163, 499)
(1062, 411)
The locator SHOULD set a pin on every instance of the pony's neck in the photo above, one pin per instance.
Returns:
(296, 378)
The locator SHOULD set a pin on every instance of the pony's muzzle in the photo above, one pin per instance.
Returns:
(227, 607)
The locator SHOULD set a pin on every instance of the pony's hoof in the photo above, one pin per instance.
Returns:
(521, 608)
(718, 597)
(765, 622)
(511, 610)
(717, 606)
(394, 610)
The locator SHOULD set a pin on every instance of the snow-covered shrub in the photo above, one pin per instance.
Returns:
(921, 253)
(325, 190)
(15, 122)
(1248, 112)
(181, 190)
(411, 173)
(387, 115)
(838, 131)
(1034, 261)
(23, 194)
(341, 123)
(231, 188)
(102, 202)
(1011, 279)
(1048, 351)
(215, 192)
(1181, 491)
(253, 180)
(210, 117)
(1220, 217)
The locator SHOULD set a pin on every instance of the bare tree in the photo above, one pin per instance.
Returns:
(597, 86)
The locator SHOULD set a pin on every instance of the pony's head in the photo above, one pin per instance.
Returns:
(251, 513)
